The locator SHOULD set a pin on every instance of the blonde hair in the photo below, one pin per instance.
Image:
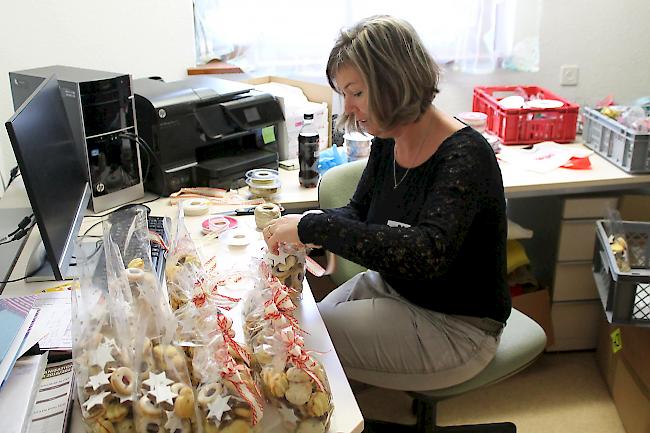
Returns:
(401, 76)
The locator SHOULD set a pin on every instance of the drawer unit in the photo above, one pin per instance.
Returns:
(575, 325)
(574, 281)
(592, 207)
(577, 240)
(576, 306)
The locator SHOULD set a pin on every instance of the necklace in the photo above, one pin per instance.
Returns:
(395, 182)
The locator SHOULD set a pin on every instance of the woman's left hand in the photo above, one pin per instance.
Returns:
(282, 230)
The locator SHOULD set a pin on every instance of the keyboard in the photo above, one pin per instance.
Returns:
(156, 224)
(158, 254)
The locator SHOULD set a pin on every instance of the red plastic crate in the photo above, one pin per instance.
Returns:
(526, 125)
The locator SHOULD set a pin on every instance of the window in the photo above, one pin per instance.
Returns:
(292, 36)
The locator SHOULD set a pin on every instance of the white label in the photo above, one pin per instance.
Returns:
(392, 223)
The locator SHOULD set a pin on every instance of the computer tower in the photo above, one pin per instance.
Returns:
(102, 115)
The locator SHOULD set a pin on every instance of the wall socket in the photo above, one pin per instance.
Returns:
(569, 75)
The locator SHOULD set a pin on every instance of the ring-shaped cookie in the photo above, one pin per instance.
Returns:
(122, 380)
(209, 392)
(134, 274)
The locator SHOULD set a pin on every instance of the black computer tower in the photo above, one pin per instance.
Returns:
(102, 114)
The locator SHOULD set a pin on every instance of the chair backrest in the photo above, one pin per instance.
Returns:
(335, 190)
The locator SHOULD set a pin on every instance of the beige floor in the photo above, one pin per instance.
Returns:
(560, 393)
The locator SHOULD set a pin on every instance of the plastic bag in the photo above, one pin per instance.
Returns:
(331, 157)
(295, 382)
(617, 240)
(288, 267)
(228, 397)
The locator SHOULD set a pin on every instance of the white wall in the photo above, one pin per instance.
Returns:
(140, 37)
(608, 40)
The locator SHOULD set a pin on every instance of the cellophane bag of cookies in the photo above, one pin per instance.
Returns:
(189, 278)
(288, 266)
(102, 346)
(228, 398)
(266, 311)
(183, 266)
(294, 382)
(164, 399)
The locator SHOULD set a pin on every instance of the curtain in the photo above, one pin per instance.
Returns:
(288, 36)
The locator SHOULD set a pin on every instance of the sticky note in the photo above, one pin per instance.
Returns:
(617, 341)
(268, 134)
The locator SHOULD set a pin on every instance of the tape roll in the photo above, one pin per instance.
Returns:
(216, 226)
(265, 213)
(196, 206)
(236, 238)
(263, 175)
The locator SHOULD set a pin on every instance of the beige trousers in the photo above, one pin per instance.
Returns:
(384, 340)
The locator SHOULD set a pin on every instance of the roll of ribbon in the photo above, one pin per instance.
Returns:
(196, 206)
(265, 213)
(216, 226)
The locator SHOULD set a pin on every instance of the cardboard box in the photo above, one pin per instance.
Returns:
(631, 399)
(605, 356)
(636, 351)
(625, 367)
(288, 130)
(537, 306)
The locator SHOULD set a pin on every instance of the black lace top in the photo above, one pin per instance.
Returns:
(439, 238)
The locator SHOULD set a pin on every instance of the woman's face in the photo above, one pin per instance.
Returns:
(355, 97)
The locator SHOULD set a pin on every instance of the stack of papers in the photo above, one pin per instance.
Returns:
(53, 405)
(18, 393)
(542, 157)
(51, 328)
(16, 317)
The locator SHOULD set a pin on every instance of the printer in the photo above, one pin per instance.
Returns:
(203, 131)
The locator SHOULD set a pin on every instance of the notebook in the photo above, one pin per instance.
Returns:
(16, 317)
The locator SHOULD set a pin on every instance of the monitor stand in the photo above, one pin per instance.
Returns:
(9, 252)
(39, 268)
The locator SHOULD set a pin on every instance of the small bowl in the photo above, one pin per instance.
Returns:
(474, 119)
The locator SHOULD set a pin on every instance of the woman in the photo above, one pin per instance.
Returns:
(427, 218)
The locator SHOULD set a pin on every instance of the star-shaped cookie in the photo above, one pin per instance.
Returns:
(95, 400)
(98, 380)
(218, 406)
(157, 381)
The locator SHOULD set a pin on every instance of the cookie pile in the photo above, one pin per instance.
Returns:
(289, 268)
(291, 378)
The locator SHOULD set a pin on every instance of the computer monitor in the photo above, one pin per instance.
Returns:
(54, 178)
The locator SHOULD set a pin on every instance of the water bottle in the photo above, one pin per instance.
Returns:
(308, 153)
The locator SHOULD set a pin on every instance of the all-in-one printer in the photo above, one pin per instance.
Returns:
(204, 131)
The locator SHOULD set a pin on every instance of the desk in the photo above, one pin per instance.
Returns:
(520, 186)
(346, 417)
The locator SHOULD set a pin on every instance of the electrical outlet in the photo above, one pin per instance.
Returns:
(569, 75)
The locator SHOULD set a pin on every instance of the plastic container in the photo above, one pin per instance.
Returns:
(526, 125)
(619, 144)
(625, 295)
(357, 145)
